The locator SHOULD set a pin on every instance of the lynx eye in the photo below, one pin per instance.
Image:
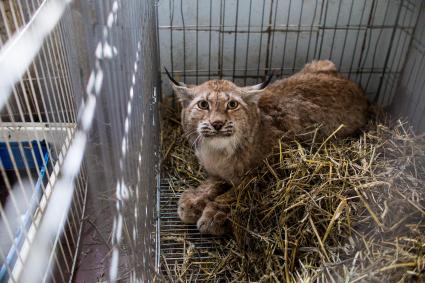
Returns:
(232, 104)
(203, 104)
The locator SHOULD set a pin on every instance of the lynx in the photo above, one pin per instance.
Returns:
(232, 129)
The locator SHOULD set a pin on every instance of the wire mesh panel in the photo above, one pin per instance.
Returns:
(123, 146)
(51, 127)
(409, 100)
(184, 251)
(245, 40)
(40, 89)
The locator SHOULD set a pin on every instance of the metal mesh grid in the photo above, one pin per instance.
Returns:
(244, 40)
(52, 48)
(15, 14)
(111, 46)
(179, 242)
(123, 146)
(410, 98)
(38, 122)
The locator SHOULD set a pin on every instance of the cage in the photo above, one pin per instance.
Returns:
(82, 195)
(57, 58)
(378, 44)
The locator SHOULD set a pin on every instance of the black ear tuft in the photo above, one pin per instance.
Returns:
(266, 82)
(171, 78)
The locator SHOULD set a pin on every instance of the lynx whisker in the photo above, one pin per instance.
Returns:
(188, 134)
(197, 140)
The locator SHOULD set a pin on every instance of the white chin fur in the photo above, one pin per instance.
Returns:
(221, 143)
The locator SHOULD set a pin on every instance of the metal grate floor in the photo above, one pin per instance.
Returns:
(185, 253)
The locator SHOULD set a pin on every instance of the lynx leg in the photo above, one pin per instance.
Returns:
(193, 201)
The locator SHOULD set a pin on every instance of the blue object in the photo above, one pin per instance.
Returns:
(23, 158)
(23, 161)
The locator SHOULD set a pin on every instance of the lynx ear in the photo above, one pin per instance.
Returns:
(253, 96)
(253, 93)
(259, 86)
(184, 93)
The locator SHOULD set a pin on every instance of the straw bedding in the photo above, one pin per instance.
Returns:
(328, 211)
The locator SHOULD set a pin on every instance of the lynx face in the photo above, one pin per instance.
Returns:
(218, 114)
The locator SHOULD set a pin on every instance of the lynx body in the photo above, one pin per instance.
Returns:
(232, 128)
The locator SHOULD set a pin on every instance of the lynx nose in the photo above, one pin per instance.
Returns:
(217, 125)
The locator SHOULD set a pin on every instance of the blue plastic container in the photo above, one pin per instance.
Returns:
(32, 154)
(23, 159)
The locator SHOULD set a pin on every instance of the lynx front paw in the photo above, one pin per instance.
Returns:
(214, 220)
(190, 206)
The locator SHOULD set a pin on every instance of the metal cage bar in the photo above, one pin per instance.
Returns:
(48, 120)
(284, 34)
(38, 123)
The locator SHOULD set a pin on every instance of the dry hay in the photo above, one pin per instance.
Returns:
(334, 211)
